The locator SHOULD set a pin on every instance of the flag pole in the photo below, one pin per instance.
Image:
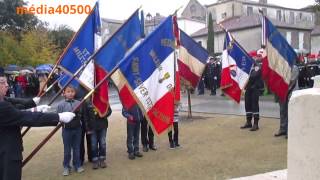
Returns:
(89, 59)
(63, 53)
(86, 97)
(189, 103)
(45, 140)
(80, 69)
(47, 90)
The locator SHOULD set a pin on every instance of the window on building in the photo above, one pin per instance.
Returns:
(300, 16)
(279, 15)
(264, 10)
(249, 10)
(200, 42)
(288, 37)
(301, 40)
(193, 9)
(223, 15)
(291, 17)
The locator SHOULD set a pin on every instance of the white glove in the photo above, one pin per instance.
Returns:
(36, 100)
(66, 117)
(43, 108)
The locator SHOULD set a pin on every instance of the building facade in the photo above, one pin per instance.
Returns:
(241, 17)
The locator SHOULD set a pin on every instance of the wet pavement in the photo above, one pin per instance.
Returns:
(214, 104)
(201, 103)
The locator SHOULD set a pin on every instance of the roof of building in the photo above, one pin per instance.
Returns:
(246, 22)
(115, 21)
(190, 19)
(315, 31)
(256, 3)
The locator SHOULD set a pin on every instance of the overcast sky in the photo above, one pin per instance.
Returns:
(121, 9)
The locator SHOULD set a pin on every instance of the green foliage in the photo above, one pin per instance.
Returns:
(33, 49)
(61, 36)
(210, 42)
(16, 24)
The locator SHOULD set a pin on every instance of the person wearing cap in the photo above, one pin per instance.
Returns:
(253, 88)
(11, 121)
(212, 73)
(283, 129)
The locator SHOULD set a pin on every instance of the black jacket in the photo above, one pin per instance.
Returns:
(94, 121)
(11, 119)
(255, 80)
(135, 112)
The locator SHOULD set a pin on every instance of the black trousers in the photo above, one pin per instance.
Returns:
(147, 136)
(82, 147)
(10, 169)
(252, 103)
(175, 139)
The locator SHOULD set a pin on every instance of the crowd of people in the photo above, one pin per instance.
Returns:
(27, 84)
(80, 122)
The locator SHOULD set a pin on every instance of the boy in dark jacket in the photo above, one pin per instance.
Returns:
(134, 117)
(97, 127)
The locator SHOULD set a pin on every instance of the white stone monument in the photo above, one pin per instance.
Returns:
(304, 134)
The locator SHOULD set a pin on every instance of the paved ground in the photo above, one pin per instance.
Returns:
(215, 104)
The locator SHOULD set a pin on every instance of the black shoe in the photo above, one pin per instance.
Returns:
(254, 128)
(103, 164)
(171, 146)
(280, 133)
(247, 125)
(153, 147)
(95, 165)
(145, 149)
(177, 145)
(138, 154)
(131, 156)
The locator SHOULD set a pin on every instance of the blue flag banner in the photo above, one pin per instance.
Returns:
(115, 49)
(82, 45)
(149, 71)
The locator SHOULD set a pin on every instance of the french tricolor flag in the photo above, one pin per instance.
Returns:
(149, 73)
(192, 59)
(236, 67)
(278, 59)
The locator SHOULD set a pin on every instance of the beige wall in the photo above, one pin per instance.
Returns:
(189, 26)
(315, 44)
(230, 8)
(250, 39)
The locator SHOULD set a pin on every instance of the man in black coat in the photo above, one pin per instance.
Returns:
(11, 119)
(253, 91)
(212, 73)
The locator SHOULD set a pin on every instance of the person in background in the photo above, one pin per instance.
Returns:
(174, 140)
(147, 136)
(97, 128)
(134, 117)
(283, 130)
(252, 94)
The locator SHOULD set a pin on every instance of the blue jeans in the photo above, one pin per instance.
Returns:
(133, 132)
(99, 144)
(71, 141)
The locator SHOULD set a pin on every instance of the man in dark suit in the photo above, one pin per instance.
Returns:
(11, 119)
